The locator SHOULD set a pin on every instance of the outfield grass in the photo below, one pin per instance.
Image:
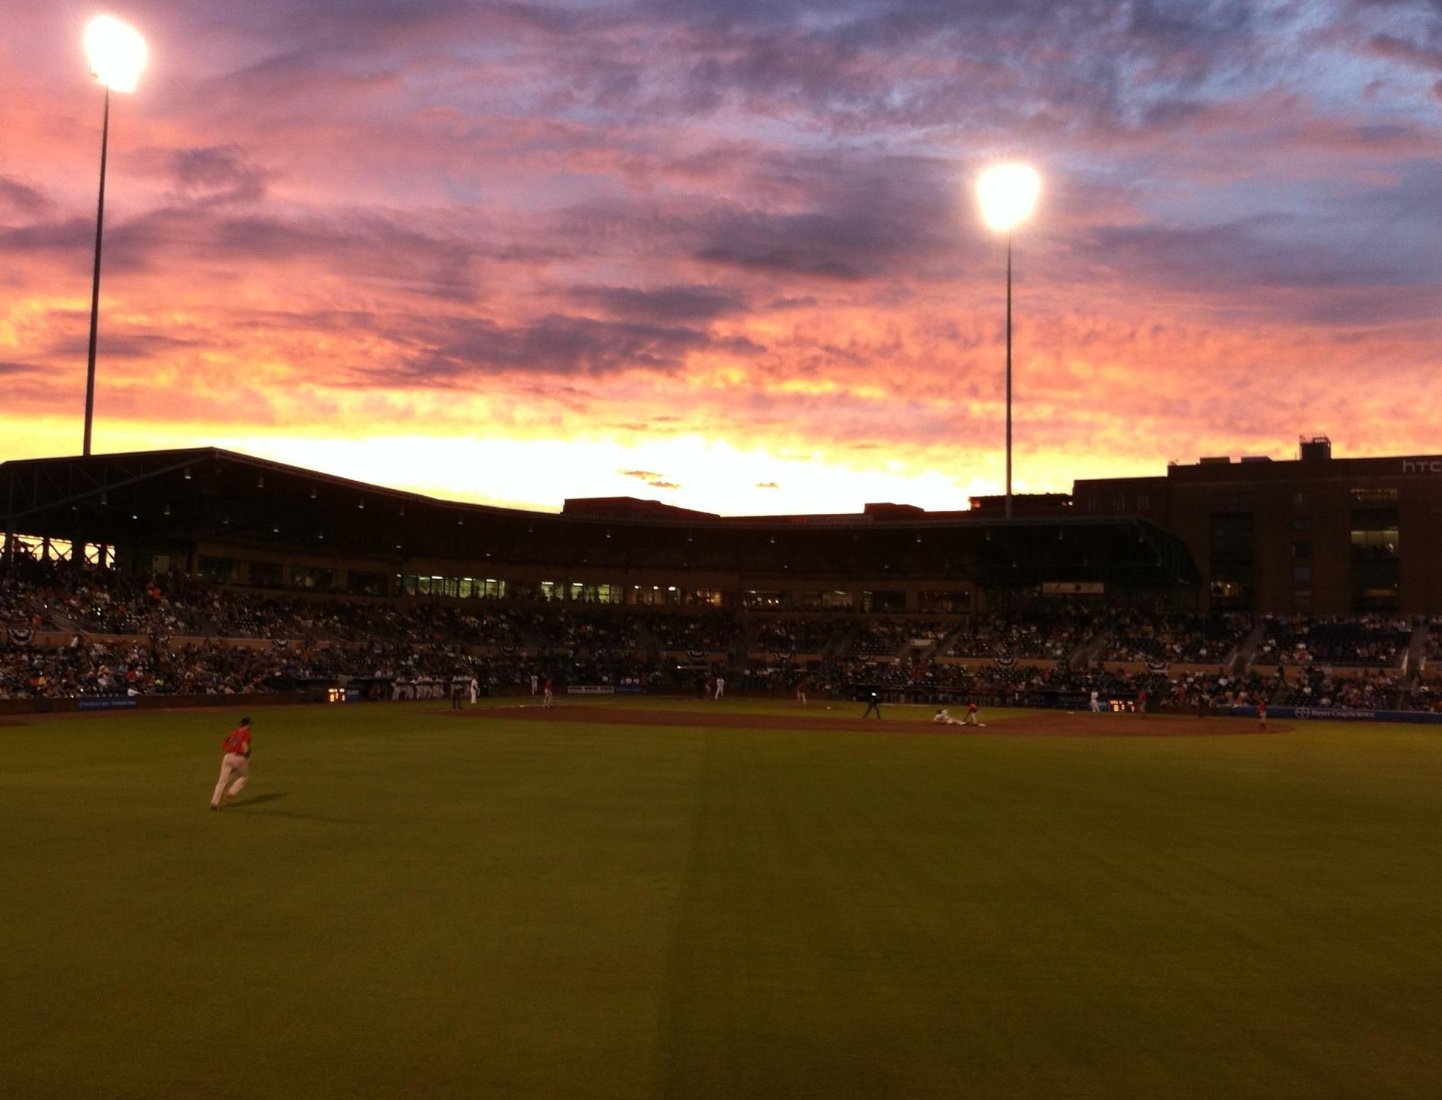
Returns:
(404, 903)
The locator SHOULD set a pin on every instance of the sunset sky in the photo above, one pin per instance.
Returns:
(726, 254)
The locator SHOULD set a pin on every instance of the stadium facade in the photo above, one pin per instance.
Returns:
(1319, 535)
(244, 521)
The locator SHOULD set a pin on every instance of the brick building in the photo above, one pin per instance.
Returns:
(1319, 535)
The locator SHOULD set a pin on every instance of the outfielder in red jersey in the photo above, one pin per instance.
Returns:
(234, 765)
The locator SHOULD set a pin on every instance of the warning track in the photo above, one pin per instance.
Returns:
(1000, 723)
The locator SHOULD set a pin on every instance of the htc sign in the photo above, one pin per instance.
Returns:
(1422, 465)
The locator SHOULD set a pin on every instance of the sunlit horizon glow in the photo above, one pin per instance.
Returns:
(727, 256)
(117, 53)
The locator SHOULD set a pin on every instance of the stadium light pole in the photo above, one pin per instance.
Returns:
(117, 54)
(1007, 194)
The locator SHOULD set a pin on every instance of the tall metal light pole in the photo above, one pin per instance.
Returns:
(117, 55)
(1008, 194)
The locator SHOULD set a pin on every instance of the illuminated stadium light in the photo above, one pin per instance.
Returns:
(116, 51)
(1007, 194)
(117, 55)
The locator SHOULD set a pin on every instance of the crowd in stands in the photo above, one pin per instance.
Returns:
(1431, 648)
(1320, 686)
(1051, 636)
(109, 633)
(1364, 642)
(1187, 639)
(792, 635)
(890, 637)
(712, 632)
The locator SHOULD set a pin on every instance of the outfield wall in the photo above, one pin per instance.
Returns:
(1339, 714)
(1046, 700)
(93, 703)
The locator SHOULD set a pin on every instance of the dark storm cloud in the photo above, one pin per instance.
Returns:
(357, 245)
(676, 304)
(931, 62)
(1427, 58)
(345, 23)
(71, 235)
(550, 347)
(217, 174)
(376, 33)
(20, 199)
(1364, 6)
(1365, 243)
(1408, 32)
(859, 66)
(558, 344)
(1291, 277)
(119, 343)
(860, 216)
(1399, 220)
(827, 246)
(1211, 257)
(190, 238)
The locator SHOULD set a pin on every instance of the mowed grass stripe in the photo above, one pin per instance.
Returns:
(397, 903)
(405, 900)
(977, 917)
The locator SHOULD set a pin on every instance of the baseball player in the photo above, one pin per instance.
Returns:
(234, 765)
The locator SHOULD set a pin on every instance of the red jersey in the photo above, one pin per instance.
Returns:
(238, 741)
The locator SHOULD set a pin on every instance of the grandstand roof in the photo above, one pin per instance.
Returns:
(166, 501)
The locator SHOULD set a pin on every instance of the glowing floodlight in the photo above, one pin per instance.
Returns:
(1008, 194)
(116, 51)
(117, 56)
